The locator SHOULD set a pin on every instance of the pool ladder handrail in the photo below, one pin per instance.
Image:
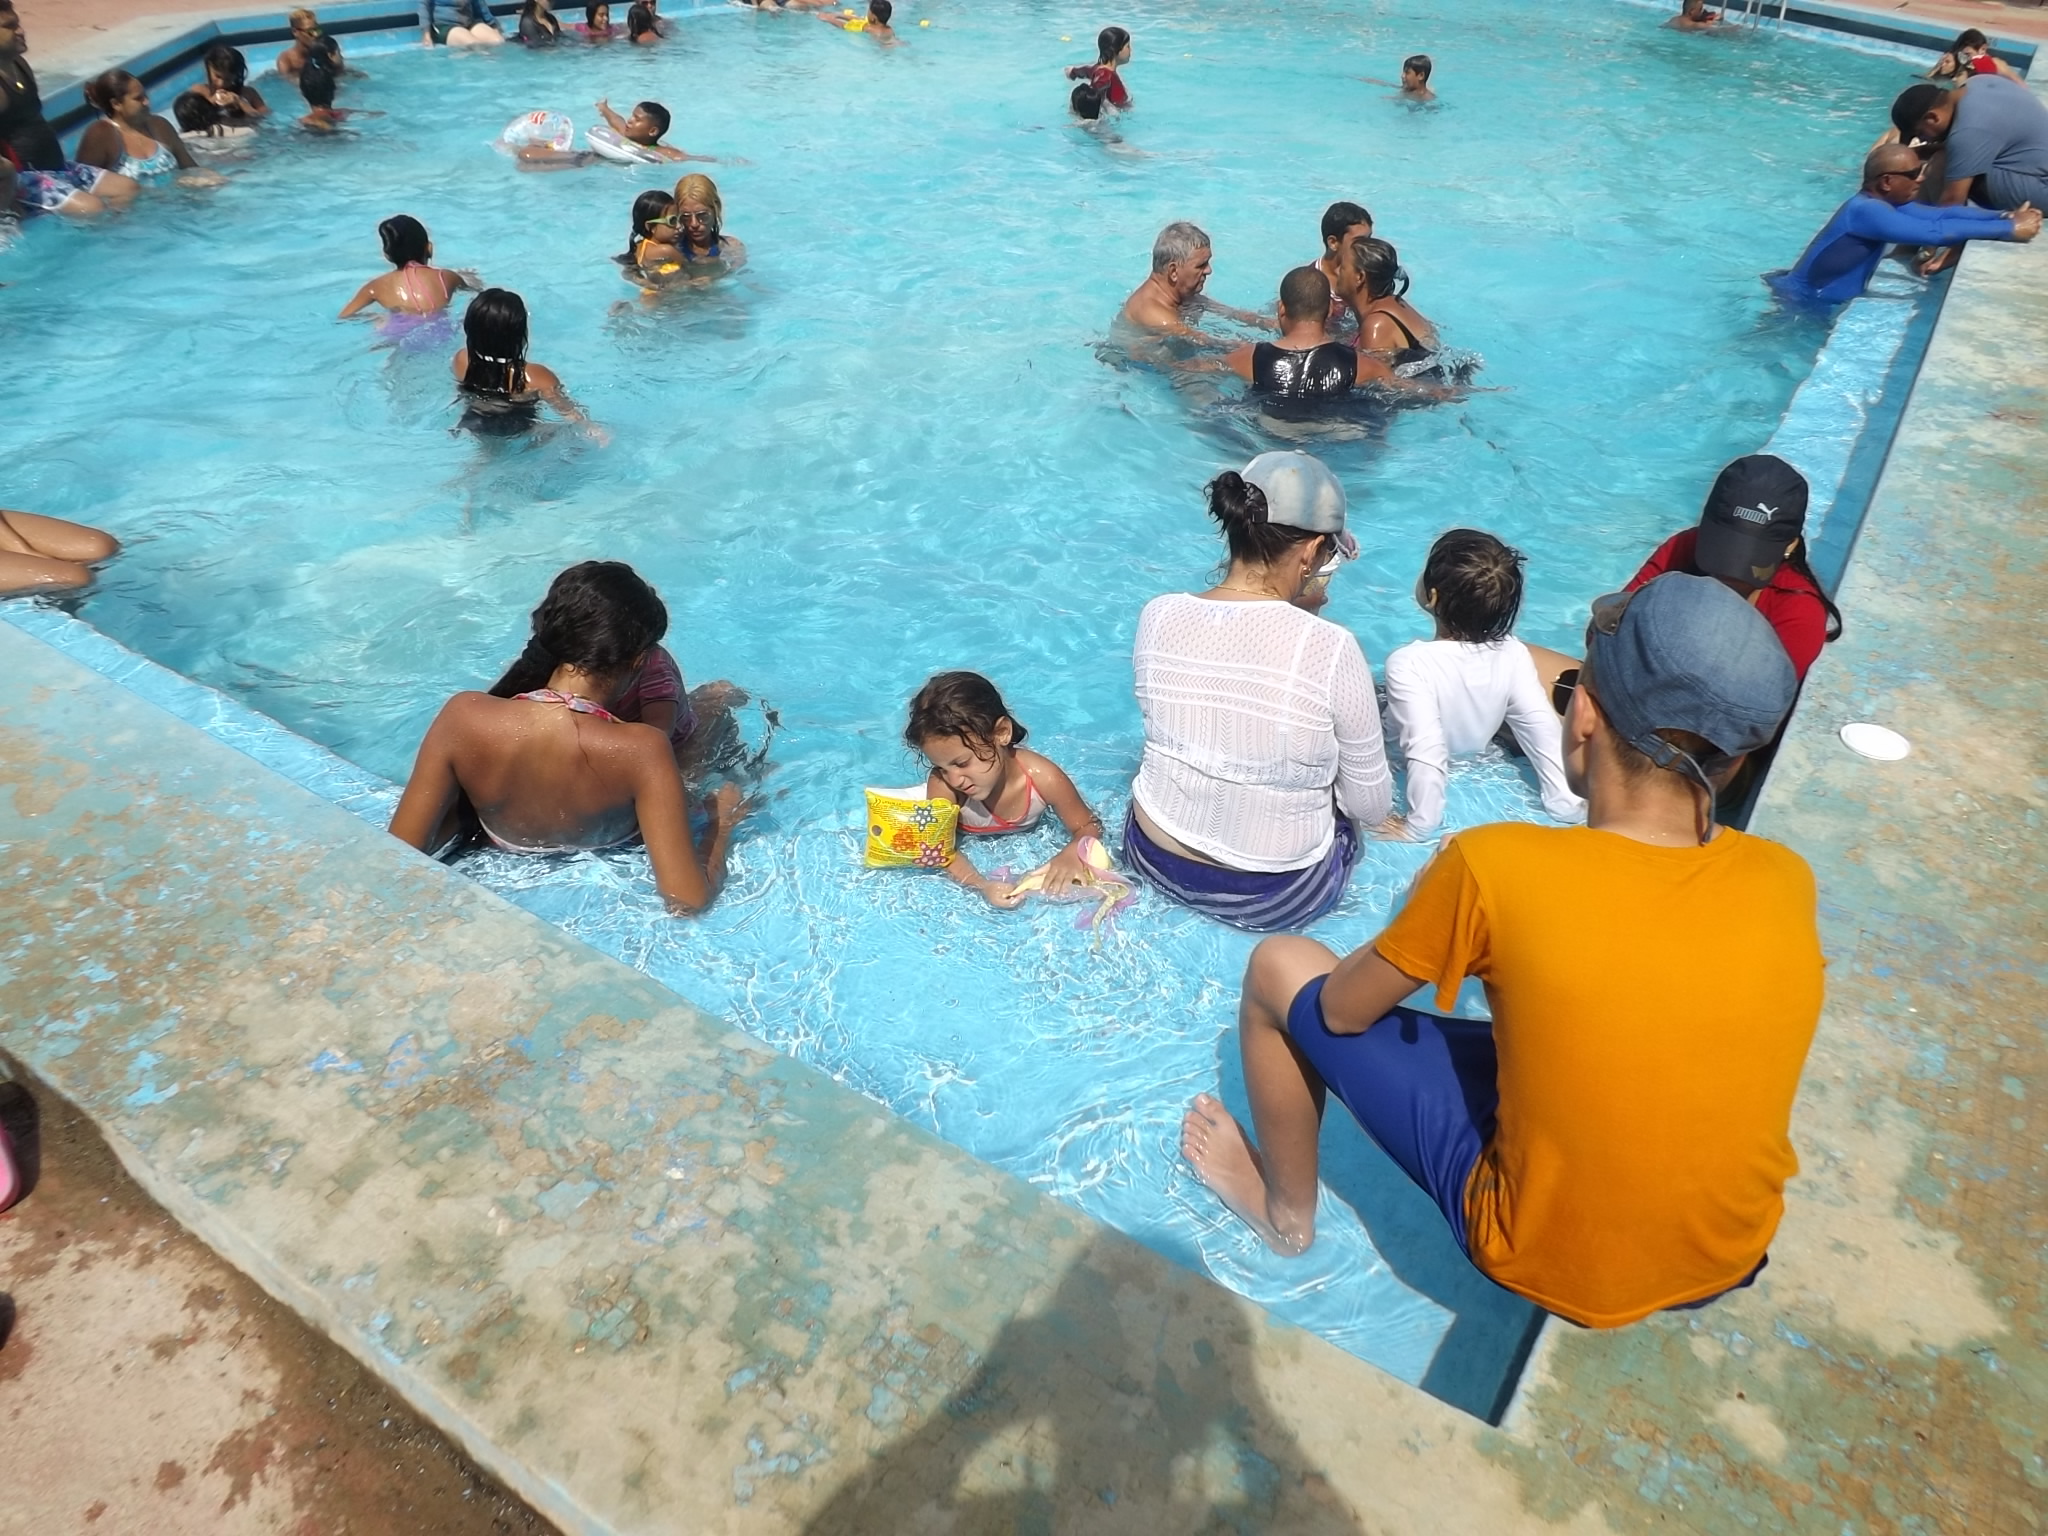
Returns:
(1753, 11)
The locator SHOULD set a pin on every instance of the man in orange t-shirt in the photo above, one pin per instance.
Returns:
(1615, 1141)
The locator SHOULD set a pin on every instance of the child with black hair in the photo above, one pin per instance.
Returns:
(1449, 695)
(316, 84)
(415, 286)
(975, 746)
(1105, 86)
(875, 23)
(1415, 72)
(224, 98)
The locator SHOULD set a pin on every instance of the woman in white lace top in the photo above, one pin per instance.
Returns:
(1262, 737)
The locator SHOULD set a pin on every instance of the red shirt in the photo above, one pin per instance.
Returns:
(1106, 80)
(1791, 602)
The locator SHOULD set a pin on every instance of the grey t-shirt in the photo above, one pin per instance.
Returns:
(1999, 124)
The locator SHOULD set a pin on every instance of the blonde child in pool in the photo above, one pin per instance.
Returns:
(959, 722)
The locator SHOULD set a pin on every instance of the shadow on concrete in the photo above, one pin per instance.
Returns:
(1125, 1403)
(23, 1123)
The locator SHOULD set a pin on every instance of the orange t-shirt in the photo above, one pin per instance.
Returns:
(1652, 1009)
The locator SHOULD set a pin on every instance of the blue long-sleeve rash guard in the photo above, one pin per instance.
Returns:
(1838, 264)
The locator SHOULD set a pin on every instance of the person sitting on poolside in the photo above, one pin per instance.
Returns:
(501, 391)
(1693, 16)
(1264, 751)
(1990, 138)
(1751, 538)
(415, 286)
(1840, 261)
(130, 139)
(551, 768)
(1970, 54)
(48, 554)
(458, 24)
(44, 181)
(1615, 1141)
(226, 90)
(1307, 363)
(875, 24)
(1167, 300)
(1342, 224)
(307, 40)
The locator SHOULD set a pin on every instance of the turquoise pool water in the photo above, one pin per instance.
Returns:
(890, 447)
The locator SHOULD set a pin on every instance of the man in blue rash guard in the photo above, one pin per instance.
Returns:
(1838, 264)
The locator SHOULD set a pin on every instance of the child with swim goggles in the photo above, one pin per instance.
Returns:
(978, 761)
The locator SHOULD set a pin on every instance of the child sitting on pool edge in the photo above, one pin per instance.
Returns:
(975, 746)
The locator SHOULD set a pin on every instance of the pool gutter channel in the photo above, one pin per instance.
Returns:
(368, 798)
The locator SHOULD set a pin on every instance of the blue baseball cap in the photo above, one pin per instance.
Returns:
(1685, 653)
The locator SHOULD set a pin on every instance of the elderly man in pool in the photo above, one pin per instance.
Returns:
(1172, 295)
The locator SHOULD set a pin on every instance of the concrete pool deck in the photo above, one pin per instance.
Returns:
(656, 1278)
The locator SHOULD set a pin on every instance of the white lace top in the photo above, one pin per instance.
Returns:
(1255, 713)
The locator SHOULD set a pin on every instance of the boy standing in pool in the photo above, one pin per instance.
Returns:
(1615, 1141)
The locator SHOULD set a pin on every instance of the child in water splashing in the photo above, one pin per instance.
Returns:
(975, 746)
(1101, 85)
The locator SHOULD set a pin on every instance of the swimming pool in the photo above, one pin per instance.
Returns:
(889, 447)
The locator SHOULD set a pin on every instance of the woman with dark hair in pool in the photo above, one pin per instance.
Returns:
(233, 102)
(596, 26)
(416, 293)
(538, 26)
(132, 140)
(544, 763)
(1387, 322)
(641, 28)
(501, 391)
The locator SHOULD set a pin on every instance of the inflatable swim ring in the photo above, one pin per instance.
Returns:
(550, 130)
(605, 140)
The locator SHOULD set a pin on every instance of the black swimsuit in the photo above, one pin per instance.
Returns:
(1325, 372)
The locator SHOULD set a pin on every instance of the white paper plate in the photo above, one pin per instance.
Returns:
(1887, 746)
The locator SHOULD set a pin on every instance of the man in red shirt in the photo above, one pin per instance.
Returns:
(1749, 538)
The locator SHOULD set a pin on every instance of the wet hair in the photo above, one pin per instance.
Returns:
(1379, 264)
(1110, 42)
(699, 188)
(1969, 37)
(598, 616)
(1239, 508)
(1478, 585)
(195, 114)
(1340, 217)
(640, 20)
(590, 13)
(647, 207)
(531, 14)
(404, 239)
(656, 114)
(102, 92)
(1178, 242)
(963, 704)
(1419, 63)
(494, 330)
(1914, 103)
(880, 10)
(316, 81)
(225, 63)
(1086, 102)
(1305, 292)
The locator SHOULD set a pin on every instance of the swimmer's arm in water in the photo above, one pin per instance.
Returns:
(365, 297)
(1373, 371)
(1203, 304)
(962, 871)
(1067, 869)
(686, 883)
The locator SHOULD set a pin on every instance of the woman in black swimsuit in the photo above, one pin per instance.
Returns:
(501, 391)
(1387, 321)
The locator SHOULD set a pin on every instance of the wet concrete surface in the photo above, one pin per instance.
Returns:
(147, 1387)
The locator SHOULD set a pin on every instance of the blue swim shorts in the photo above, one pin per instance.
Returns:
(1420, 1085)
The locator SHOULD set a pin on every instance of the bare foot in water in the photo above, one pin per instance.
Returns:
(1216, 1146)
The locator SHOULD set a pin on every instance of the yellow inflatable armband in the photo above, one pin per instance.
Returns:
(906, 830)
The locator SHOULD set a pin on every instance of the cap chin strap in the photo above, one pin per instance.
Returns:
(1695, 772)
